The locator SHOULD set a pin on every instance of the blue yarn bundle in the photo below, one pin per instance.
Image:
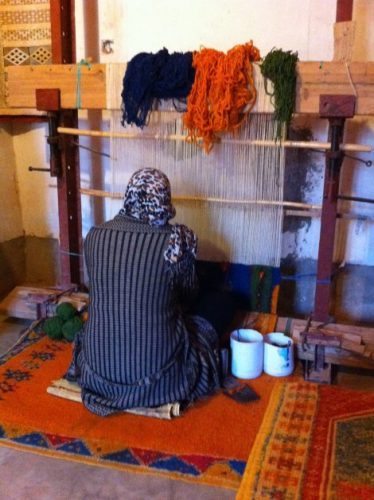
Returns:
(151, 77)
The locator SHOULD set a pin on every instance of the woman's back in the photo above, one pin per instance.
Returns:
(137, 348)
(133, 328)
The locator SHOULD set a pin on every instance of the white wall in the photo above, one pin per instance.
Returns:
(182, 25)
(38, 199)
(11, 219)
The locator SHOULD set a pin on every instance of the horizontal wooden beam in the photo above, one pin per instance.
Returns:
(8, 112)
(80, 86)
(335, 78)
(85, 87)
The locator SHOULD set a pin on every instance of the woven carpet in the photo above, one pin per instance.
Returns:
(315, 442)
(210, 444)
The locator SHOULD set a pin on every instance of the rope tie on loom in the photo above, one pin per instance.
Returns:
(223, 92)
(350, 79)
(83, 62)
(151, 77)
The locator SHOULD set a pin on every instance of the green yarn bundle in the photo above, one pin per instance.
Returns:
(71, 327)
(280, 67)
(65, 325)
(53, 327)
(66, 311)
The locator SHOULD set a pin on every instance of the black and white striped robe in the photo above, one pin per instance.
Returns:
(137, 348)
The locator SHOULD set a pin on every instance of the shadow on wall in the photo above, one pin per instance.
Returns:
(28, 260)
(12, 264)
(297, 289)
(351, 295)
(354, 292)
(42, 261)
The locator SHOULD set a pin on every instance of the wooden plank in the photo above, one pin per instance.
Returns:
(352, 346)
(337, 78)
(366, 333)
(336, 356)
(344, 36)
(21, 112)
(314, 79)
(23, 81)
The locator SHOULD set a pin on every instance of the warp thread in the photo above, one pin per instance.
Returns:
(222, 94)
(151, 77)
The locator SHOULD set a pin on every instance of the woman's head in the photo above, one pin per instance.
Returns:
(148, 197)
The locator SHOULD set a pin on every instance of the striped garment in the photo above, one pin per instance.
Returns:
(138, 349)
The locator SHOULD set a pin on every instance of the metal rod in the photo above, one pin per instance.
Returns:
(355, 198)
(91, 150)
(35, 169)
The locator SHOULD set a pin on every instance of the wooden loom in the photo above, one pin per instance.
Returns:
(323, 89)
(51, 91)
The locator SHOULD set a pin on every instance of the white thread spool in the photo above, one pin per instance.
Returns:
(247, 353)
(278, 354)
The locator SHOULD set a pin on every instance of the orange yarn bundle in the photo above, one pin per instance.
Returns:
(222, 94)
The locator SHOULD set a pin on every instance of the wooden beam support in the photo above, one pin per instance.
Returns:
(68, 183)
(47, 99)
(313, 79)
(336, 109)
(69, 204)
(344, 9)
(63, 31)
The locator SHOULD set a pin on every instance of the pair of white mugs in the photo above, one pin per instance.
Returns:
(253, 353)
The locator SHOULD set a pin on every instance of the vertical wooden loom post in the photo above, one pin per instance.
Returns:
(336, 109)
(332, 108)
(68, 183)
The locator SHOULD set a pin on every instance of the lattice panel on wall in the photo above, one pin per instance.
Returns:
(25, 35)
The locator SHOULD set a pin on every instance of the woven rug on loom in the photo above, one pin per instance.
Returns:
(315, 442)
(209, 444)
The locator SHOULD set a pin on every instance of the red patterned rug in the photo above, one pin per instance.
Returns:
(315, 442)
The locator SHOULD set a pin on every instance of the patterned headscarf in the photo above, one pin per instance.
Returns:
(148, 197)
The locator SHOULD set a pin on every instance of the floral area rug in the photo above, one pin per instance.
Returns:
(315, 442)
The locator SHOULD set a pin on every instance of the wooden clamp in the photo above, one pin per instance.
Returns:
(318, 370)
(49, 100)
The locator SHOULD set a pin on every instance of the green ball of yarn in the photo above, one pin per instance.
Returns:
(66, 311)
(53, 327)
(71, 327)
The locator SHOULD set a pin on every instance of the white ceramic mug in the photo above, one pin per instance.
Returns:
(247, 353)
(278, 354)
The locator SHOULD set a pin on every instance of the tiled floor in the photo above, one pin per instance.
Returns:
(29, 476)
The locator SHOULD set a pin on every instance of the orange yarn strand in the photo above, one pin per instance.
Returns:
(222, 94)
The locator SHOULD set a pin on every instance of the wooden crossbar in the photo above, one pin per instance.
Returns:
(313, 79)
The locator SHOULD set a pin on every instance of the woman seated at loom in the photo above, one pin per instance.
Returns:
(139, 348)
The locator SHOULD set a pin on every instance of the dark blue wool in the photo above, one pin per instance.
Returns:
(151, 77)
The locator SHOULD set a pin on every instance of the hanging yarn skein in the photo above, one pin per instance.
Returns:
(151, 77)
(280, 67)
(222, 94)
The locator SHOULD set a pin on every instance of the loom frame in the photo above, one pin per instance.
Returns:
(314, 78)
